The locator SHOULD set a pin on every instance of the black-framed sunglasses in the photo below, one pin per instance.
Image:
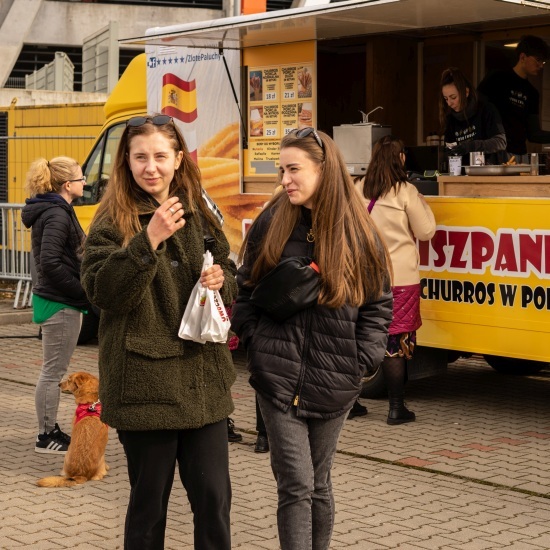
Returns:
(157, 120)
(304, 132)
(83, 178)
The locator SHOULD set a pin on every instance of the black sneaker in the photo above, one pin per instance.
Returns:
(55, 442)
(231, 434)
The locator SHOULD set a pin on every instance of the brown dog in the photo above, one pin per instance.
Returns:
(85, 459)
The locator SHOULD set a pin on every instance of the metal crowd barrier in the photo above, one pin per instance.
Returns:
(15, 257)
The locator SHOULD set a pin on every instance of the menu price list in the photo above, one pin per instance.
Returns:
(280, 100)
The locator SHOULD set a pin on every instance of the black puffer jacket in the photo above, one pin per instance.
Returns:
(320, 354)
(57, 246)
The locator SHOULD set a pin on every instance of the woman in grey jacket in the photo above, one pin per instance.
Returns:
(168, 398)
(307, 369)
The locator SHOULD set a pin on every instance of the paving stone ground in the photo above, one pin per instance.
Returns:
(472, 473)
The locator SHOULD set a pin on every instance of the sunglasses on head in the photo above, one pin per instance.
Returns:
(304, 132)
(158, 120)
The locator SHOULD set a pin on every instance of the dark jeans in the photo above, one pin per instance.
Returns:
(203, 464)
(302, 451)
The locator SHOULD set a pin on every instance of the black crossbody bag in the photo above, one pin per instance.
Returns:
(291, 286)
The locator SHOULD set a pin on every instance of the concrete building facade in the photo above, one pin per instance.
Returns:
(58, 23)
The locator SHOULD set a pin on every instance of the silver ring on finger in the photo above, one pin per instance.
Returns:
(172, 210)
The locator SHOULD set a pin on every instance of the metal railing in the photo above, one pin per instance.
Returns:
(15, 256)
(15, 82)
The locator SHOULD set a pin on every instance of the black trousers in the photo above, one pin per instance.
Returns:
(203, 465)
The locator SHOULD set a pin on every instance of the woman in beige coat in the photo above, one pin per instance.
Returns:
(401, 215)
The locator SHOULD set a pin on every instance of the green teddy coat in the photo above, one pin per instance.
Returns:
(150, 379)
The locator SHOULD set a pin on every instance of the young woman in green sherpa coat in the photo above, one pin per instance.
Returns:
(168, 398)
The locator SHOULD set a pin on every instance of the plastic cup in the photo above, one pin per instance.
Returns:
(455, 166)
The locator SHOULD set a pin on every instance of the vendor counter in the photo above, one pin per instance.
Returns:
(485, 274)
(494, 186)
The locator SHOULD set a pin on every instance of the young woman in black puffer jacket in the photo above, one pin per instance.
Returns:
(307, 370)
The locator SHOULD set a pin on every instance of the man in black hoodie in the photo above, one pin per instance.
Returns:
(516, 99)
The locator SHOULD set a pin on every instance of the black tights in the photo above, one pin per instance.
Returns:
(395, 375)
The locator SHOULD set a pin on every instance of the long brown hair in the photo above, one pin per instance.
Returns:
(352, 258)
(386, 170)
(124, 200)
(466, 92)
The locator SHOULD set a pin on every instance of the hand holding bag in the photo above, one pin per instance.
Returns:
(205, 318)
(292, 285)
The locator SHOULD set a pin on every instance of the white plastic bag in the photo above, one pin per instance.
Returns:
(190, 328)
(215, 322)
(205, 318)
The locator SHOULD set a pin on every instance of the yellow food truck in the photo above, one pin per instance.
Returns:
(235, 86)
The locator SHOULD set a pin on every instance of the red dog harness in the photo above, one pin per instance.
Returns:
(87, 409)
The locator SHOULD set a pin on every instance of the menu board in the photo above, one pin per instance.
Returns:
(281, 99)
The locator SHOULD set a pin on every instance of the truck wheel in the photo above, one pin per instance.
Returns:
(374, 385)
(517, 367)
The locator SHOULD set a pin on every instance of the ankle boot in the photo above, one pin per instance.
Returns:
(399, 414)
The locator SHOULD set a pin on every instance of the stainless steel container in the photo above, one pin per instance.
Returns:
(356, 141)
(477, 159)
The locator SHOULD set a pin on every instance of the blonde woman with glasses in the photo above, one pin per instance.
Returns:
(58, 297)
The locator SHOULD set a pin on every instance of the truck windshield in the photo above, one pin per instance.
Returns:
(98, 166)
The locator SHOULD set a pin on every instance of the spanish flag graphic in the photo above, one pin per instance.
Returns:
(179, 100)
